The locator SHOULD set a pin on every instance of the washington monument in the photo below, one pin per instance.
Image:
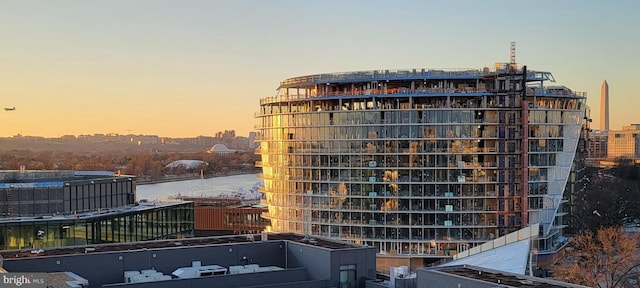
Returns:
(604, 106)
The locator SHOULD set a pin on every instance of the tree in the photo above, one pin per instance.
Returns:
(608, 201)
(605, 259)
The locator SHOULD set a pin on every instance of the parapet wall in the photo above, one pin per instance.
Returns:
(22, 176)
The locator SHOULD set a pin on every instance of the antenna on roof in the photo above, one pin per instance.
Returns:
(512, 56)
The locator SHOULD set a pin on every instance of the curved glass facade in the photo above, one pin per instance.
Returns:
(419, 162)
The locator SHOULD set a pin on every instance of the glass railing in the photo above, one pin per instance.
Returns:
(400, 91)
(384, 74)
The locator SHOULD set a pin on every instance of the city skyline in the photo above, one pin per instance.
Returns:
(195, 68)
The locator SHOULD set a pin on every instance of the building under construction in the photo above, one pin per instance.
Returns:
(421, 163)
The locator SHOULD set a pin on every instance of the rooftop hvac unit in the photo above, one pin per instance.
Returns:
(197, 270)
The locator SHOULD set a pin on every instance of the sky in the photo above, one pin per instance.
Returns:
(191, 68)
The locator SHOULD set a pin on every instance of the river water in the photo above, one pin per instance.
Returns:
(199, 187)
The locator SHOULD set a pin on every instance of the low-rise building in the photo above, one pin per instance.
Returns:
(42, 209)
(261, 260)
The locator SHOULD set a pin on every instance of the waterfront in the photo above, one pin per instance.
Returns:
(197, 187)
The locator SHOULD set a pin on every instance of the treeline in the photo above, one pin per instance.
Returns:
(144, 165)
(604, 251)
(611, 198)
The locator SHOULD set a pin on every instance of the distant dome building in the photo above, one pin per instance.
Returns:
(220, 149)
(188, 164)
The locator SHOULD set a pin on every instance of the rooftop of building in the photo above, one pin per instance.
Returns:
(504, 279)
(172, 243)
(632, 127)
(52, 178)
(408, 74)
(139, 207)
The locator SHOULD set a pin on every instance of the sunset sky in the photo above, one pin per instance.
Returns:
(190, 68)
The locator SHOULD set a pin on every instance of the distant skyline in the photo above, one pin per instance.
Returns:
(190, 68)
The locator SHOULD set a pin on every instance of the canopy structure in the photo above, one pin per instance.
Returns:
(509, 258)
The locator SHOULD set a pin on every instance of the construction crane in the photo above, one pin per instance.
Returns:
(512, 59)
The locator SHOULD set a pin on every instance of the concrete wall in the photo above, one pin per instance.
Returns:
(428, 279)
(376, 284)
(324, 263)
(317, 261)
(9, 176)
(365, 260)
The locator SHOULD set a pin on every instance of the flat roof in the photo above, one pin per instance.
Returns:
(406, 74)
(199, 241)
(53, 178)
(504, 278)
(142, 206)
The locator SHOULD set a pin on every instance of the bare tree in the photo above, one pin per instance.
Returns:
(606, 259)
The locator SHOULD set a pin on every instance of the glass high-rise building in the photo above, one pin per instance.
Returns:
(422, 163)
